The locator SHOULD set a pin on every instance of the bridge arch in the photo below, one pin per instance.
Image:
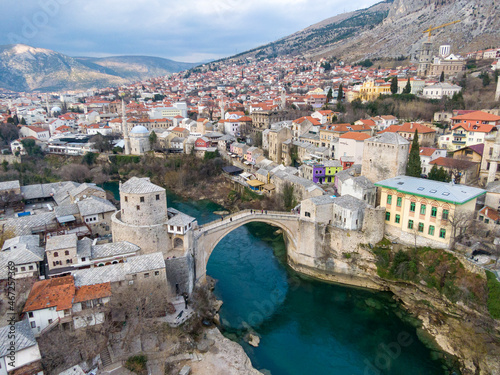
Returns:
(208, 236)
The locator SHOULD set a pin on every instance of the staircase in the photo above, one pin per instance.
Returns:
(106, 357)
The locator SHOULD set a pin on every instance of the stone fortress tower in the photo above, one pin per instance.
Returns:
(145, 220)
(143, 216)
(385, 156)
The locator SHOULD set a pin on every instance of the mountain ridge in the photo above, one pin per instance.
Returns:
(26, 68)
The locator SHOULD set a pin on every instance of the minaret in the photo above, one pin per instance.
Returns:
(494, 159)
(283, 99)
(222, 110)
(126, 139)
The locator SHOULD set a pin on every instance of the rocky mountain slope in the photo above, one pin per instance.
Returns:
(25, 68)
(393, 28)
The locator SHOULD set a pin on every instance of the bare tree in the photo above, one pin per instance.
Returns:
(75, 172)
(459, 221)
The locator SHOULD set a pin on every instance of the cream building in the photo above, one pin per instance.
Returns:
(423, 210)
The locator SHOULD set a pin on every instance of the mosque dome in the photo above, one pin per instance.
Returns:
(139, 130)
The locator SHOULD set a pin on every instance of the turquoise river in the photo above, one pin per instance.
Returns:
(305, 326)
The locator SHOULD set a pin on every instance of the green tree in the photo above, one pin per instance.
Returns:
(153, 138)
(31, 148)
(329, 96)
(5, 165)
(441, 77)
(438, 174)
(394, 85)
(414, 167)
(89, 158)
(486, 79)
(340, 94)
(23, 121)
(407, 89)
(288, 197)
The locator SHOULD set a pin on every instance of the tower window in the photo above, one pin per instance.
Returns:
(157, 197)
(142, 199)
(138, 208)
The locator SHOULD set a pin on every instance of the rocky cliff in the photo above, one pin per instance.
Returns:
(392, 28)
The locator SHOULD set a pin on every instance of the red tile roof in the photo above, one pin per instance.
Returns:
(90, 292)
(57, 292)
(477, 116)
(356, 136)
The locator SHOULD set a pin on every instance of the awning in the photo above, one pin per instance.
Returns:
(65, 219)
(268, 187)
(255, 183)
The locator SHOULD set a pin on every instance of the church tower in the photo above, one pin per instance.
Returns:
(126, 138)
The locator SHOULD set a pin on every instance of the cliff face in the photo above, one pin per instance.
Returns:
(401, 32)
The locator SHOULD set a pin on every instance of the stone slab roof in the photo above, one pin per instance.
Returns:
(388, 138)
(94, 205)
(61, 242)
(113, 249)
(22, 225)
(350, 203)
(84, 247)
(137, 185)
(322, 200)
(9, 185)
(24, 337)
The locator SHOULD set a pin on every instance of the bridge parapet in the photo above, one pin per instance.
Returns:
(233, 218)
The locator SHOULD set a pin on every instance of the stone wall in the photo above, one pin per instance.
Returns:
(180, 276)
(150, 238)
(10, 159)
(144, 209)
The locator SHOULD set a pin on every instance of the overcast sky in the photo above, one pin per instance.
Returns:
(182, 30)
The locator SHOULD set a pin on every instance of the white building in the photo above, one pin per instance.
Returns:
(34, 131)
(351, 144)
(177, 109)
(438, 90)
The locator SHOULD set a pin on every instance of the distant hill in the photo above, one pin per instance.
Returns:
(25, 68)
(136, 67)
(392, 28)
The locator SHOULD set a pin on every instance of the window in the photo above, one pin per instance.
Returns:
(410, 224)
(412, 207)
(422, 209)
(445, 215)
(126, 198)
(33, 324)
(30, 268)
(134, 276)
(146, 275)
(142, 199)
(431, 230)
(157, 197)
(157, 273)
(397, 220)
(50, 321)
(486, 221)
(56, 254)
(138, 208)
(23, 269)
(442, 233)
(434, 211)
(399, 201)
(83, 259)
(387, 216)
(389, 199)
(66, 252)
(421, 227)
(30, 314)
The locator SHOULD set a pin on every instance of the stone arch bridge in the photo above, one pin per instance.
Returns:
(207, 236)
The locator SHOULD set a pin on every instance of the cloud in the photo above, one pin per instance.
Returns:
(185, 29)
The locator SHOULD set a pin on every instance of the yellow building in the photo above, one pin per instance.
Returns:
(370, 90)
(423, 210)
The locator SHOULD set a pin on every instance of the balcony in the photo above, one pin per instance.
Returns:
(455, 142)
(460, 135)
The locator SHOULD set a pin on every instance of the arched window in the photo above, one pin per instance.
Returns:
(178, 242)
(56, 254)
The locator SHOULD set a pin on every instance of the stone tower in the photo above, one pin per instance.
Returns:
(143, 216)
(126, 138)
(384, 156)
(424, 59)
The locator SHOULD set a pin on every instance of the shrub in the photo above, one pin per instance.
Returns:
(493, 295)
(137, 364)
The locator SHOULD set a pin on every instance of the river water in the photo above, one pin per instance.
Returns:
(305, 326)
